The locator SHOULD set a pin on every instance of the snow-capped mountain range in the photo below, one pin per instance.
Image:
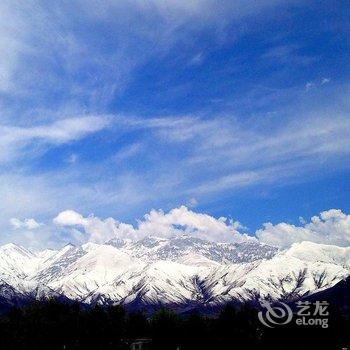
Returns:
(181, 273)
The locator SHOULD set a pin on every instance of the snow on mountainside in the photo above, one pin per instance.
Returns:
(46, 254)
(54, 266)
(288, 275)
(17, 263)
(179, 272)
(164, 282)
(99, 265)
(309, 251)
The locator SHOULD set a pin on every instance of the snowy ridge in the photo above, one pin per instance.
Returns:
(154, 249)
(17, 261)
(179, 272)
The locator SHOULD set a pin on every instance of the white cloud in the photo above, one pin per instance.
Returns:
(330, 227)
(96, 229)
(156, 223)
(181, 220)
(64, 130)
(69, 218)
(29, 224)
(316, 83)
(15, 140)
(60, 131)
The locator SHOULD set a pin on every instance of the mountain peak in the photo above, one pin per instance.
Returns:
(12, 248)
(69, 245)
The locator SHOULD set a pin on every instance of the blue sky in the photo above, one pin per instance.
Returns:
(231, 108)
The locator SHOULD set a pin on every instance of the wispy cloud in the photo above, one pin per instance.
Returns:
(288, 54)
(45, 50)
(29, 224)
(241, 156)
(16, 139)
(316, 83)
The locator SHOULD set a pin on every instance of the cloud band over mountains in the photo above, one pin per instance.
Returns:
(329, 227)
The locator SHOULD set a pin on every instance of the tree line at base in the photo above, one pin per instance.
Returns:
(52, 325)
